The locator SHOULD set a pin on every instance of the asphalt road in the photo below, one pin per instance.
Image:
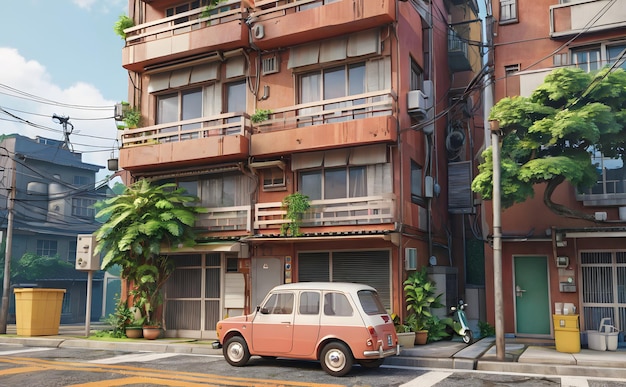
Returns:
(49, 367)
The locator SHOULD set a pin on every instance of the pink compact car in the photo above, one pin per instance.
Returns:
(335, 323)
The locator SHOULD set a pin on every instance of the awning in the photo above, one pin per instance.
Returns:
(205, 247)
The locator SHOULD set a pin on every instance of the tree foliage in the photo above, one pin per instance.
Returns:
(550, 136)
(139, 222)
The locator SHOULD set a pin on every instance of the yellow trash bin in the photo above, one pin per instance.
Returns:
(566, 333)
(38, 311)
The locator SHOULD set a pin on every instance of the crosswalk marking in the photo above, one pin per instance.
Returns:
(24, 350)
(134, 358)
(428, 379)
(574, 381)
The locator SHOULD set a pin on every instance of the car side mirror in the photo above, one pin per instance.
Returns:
(264, 310)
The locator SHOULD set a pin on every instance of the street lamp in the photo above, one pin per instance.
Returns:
(496, 133)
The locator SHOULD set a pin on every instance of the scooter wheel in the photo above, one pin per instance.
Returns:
(468, 338)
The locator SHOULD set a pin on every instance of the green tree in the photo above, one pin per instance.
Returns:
(550, 136)
(139, 222)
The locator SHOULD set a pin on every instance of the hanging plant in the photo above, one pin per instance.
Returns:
(296, 204)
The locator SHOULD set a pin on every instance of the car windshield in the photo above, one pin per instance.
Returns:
(371, 302)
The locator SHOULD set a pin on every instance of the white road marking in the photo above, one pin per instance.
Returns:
(574, 381)
(134, 358)
(25, 350)
(428, 379)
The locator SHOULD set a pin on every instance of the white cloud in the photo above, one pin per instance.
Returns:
(24, 84)
(86, 4)
(103, 6)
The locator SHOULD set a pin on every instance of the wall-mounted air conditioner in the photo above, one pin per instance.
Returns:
(410, 258)
(416, 104)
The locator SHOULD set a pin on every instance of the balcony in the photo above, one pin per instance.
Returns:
(185, 35)
(458, 59)
(286, 23)
(218, 139)
(604, 193)
(367, 210)
(349, 121)
(226, 219)
(587, 17)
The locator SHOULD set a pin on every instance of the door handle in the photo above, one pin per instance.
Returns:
(519, 292)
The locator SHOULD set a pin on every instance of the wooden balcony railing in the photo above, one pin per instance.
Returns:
(236, 218)
(378, 103)
(220, 125)
(184, 22)
(334, 212)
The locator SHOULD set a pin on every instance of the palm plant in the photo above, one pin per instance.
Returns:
(139, 222)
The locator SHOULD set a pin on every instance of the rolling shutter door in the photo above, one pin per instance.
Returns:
(366, 267)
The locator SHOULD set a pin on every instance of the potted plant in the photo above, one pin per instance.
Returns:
(138, 222)
(132, 117)
(420, 297)
(406, 337)
(260, 115)
(295, 204)
(122, 23)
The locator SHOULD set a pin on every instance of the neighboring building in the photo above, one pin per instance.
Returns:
(54, 194)
(549, 259)
(362, 101)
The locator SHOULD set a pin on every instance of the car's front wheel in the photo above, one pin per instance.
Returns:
(236, 351)
(336, 359)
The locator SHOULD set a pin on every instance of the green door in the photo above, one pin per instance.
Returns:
(532, 296)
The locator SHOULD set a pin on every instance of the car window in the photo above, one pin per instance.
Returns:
(309, 303)
(279, 303)
(371, 303)
(336, 304)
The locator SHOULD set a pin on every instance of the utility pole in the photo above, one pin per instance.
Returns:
(65, 121)
(497, 242)
(6, 284)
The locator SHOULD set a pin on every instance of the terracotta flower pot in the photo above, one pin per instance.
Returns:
(134, 332)
(421, 337)
(151, 333)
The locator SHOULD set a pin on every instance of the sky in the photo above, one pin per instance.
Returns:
(62, 57)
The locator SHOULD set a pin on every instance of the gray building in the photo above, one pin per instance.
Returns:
(54, 194)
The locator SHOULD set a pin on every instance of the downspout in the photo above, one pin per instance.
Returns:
(400, 224)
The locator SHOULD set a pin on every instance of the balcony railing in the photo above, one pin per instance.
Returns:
(236, 218)
(184, 22)
(334, 212)
(586, 17)
(220, 125)
(604, 193)
(379, 103)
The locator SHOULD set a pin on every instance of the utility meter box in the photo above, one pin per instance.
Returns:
(85, 258)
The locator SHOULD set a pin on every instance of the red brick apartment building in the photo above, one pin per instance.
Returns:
(363, 96)
(547, 259)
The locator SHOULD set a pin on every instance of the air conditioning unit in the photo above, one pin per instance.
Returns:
(85, 258)
(258, 31)
(410, 258)
(416, 104)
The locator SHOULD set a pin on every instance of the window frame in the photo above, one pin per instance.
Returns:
(46, 246)
(417, 197)
(322, 173)
(509, 8)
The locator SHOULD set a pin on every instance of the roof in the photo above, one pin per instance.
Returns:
(342, 286)
(35, 149)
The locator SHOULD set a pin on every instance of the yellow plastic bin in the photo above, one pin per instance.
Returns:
(38, 311)
(566, 333)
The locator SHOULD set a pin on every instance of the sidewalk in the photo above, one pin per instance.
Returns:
(522, 355)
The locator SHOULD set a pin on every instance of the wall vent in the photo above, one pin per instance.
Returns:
(270, 65)
(460, 197)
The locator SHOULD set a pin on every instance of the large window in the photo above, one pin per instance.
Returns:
(334, 183)
(220, 190)
(83, 208)
(180, 106)
(594, 58)
(47, 248)
(611, 174)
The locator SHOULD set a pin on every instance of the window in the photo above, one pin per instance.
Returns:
(232, 264)
(235, 99)
(71, 252)
(593, 58)
(508, 11)
(371, 303)
(611, 175)
(273, 179)
(46, 248)
(511, 70)
(82, 180)
(180, 106)
(334, 183)
(309, 303)
(588, 59)
(417, 76)
(336, 304)
(417, 186)
(279, 303)
(83, 208)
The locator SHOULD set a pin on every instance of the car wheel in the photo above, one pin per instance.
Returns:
(373, 363)
(236, 351)
(468, 338)
(336, 359)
